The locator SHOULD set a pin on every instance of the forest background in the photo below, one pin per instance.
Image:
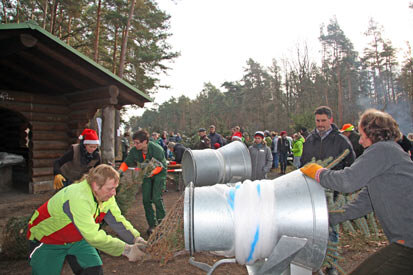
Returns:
(129, 37)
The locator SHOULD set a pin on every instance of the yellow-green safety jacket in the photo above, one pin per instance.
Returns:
(74, 214)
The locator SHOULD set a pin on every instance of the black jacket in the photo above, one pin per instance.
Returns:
(283, 146)
(405, 143)
(331, 146)
(354, 139)
(179, 150)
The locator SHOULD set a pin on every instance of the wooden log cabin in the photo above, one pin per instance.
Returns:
(48, 93)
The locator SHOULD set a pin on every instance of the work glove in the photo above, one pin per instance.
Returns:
(133, 253)
(156, 171)
(311, 170)
(141, 242)
(58, 181)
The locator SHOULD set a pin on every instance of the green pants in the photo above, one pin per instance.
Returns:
(49, 258)
(152, 193)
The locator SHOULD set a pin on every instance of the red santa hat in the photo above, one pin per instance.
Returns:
(217, 145)
(237, 136)
(89, 136)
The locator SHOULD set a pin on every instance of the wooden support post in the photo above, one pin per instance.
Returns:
(108, 134)
(117, 139)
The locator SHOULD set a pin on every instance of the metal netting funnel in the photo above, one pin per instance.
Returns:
(301, 221)
(215, 217)
(228, 164)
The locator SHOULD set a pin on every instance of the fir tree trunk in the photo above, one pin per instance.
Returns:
(125, 41)
(115, 50)
(4, 11)
(46, 3)
(69, 28)
(53, 17)
(31, 10)
(18, 11)
(60, 22)
(340, 96)
(97, 33)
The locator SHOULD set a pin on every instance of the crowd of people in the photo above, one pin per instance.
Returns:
(284, 149)
(68, 225)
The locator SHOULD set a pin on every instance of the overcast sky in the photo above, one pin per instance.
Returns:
(217, 37)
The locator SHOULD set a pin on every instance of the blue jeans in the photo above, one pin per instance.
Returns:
(283, 161)
(275, 160)
(296, 162)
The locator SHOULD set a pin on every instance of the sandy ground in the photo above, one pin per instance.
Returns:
(15, 203)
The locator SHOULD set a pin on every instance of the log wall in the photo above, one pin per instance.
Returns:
(46, 139)
(54, 122)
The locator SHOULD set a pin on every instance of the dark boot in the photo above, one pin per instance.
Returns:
(150, 231)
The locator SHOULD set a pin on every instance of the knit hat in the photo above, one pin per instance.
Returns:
(347, 128)
(236, 136)
(217, 145)
(89, 136)
(259, 133)
(283, 132)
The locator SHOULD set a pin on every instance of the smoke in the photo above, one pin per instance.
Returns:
(400, 111)
(402, 114)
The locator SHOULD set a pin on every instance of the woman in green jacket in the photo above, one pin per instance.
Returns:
(68, 227)
(297, 149)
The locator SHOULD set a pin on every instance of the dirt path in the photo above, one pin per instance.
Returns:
(16, 203)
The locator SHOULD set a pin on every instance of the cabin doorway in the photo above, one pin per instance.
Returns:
(15, 142)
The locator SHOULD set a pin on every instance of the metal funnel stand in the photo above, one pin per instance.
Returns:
(228, 164)
(301, 221)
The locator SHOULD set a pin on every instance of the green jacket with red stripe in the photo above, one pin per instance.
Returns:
(74, 214)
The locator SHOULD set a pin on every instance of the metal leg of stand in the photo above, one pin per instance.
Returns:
(180, 183)
(210, 269)
(292, 269)
(298, 270)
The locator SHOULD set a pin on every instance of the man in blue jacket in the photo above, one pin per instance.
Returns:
(216, 139)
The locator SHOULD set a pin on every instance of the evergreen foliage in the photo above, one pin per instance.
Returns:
(14, 241)
(279, 97)
(76, 23)
(284, 95)
(131, 181)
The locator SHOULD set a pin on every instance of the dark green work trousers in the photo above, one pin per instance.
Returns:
(152, 189)
(392, 259)
(49, 258)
